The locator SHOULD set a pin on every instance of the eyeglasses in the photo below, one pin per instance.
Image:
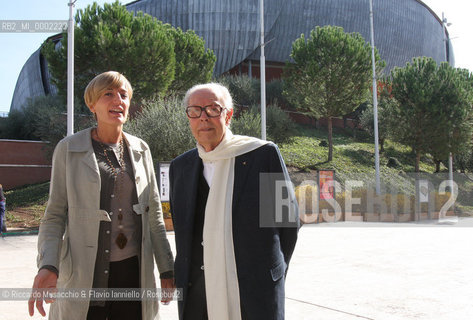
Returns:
(212, 111)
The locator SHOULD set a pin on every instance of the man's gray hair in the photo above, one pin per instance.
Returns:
(220, 90)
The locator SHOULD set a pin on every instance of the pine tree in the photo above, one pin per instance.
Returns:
(331, 74)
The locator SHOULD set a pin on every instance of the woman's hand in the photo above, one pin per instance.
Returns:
(167, 290)
(44, 281)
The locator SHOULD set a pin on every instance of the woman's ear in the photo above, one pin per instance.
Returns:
(91, 108)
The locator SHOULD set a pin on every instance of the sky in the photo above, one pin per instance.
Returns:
(16, 48)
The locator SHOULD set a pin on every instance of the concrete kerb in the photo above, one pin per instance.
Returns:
(20, 232)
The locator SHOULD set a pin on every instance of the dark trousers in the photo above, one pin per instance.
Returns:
(123, 274)
(3, 227)
(195, 307)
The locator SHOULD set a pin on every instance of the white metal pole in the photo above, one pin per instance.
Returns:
(375, 102)
(450, 156)
(262, 74)
(70, 70)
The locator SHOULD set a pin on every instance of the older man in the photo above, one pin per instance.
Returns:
(231, 262)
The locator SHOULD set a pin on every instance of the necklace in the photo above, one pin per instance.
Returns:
(121, 239)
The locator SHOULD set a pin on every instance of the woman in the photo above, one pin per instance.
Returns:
(103, 221)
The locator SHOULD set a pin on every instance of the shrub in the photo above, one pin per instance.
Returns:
(274, 93)
(245, 91)
(393, 163)
(163, 125)
(166, 210)
(464, 161)
(248, 124)
(51, 120)
(43, 118)
(53, 128)
(22, 124)
(279, 124)
(13, 127)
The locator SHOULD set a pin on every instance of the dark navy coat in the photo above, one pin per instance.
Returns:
(262, 254)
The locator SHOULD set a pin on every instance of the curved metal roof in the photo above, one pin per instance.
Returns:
(403, 29)
(33, 81)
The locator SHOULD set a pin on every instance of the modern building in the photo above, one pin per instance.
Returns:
(403, 29)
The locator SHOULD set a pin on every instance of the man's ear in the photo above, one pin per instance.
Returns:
(228, 117)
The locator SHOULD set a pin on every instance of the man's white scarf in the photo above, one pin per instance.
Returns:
(221, 281)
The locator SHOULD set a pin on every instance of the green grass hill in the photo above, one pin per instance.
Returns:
(304, 154)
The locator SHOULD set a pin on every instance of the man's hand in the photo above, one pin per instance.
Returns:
(167, 290)
(44, 280)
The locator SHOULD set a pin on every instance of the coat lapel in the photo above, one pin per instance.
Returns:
(192, 167)
(82, 143)
(242, 168)
(90, 160)
(136, 149)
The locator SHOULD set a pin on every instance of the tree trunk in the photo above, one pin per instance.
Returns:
(381, 143)
(417, 161)
(329, 138)
(437, 166)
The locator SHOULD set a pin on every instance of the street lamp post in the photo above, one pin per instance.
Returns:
(445, 40)
(375, 102)
(70, 69)
(262, 74)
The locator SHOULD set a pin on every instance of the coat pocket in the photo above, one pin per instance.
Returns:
(140, 208)
(278, 271)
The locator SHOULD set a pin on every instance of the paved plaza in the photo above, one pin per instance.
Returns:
(338, 271)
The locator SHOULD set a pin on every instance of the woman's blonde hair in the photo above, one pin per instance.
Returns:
(103, 82)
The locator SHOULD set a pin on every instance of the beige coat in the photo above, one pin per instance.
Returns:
(68, 233)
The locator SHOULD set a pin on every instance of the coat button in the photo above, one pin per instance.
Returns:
(106, 272)
(202, 267)
(147, 208)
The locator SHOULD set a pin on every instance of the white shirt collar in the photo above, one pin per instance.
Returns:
(209, 169)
